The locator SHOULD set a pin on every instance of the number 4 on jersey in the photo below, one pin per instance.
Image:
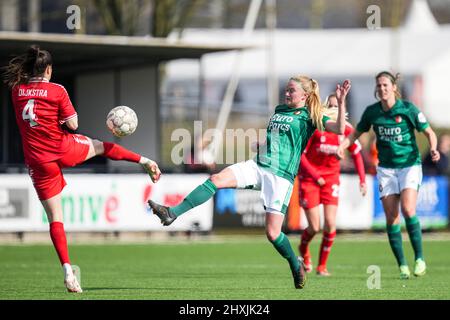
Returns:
(28, 113)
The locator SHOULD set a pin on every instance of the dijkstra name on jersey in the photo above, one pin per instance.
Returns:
(32, 93)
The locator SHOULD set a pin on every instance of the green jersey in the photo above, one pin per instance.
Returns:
(288, 133)
(396, 141)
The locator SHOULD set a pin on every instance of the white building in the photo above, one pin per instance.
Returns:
(419, 50)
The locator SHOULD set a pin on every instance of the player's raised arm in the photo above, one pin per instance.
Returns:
(338, 126)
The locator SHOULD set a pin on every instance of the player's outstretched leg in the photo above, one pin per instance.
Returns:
(151, 167)
(116, 152)
(162, 212)
(198, 196)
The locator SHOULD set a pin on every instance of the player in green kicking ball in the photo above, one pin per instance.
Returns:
(399, 171)
(276, 164)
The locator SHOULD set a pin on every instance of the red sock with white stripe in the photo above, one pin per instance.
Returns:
(325, 247)
(304, 246)
(58, 236)
(116, 152)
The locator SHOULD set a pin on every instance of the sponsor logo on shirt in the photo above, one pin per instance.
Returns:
(282, 118)
(327, 148)
(280, 122)
(390, 134)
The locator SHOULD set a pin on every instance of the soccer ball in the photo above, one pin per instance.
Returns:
(122, 121)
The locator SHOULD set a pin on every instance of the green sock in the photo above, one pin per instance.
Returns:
(415, 235)
(395, 240)
(198, 196)
(284, 248)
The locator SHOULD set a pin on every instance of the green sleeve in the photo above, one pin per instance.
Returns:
(364, 124)
(419, 119)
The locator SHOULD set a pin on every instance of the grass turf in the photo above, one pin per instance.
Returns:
(248, 268)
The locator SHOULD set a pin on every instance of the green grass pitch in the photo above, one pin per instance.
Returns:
(227, 269)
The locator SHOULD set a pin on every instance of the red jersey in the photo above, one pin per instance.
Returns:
(41, 107)
(319, 158)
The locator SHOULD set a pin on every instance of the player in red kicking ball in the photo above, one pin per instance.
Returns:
(319, 184)
(41, 108)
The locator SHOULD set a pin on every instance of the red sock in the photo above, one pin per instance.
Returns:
(59, 241)
(116, 152)
(304, 245)
(325, 247)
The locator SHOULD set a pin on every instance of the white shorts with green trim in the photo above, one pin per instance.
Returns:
(275, 191)
(393, 181)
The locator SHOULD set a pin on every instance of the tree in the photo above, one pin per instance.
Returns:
(122, 17)
(171, 14)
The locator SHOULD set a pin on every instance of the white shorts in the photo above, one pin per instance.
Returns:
(393, 181)
(275, 191)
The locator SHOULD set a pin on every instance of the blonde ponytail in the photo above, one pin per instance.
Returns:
(313, 103)
(315, 106)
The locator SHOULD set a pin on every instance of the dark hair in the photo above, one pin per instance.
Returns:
(394, 80)
(30, 64)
